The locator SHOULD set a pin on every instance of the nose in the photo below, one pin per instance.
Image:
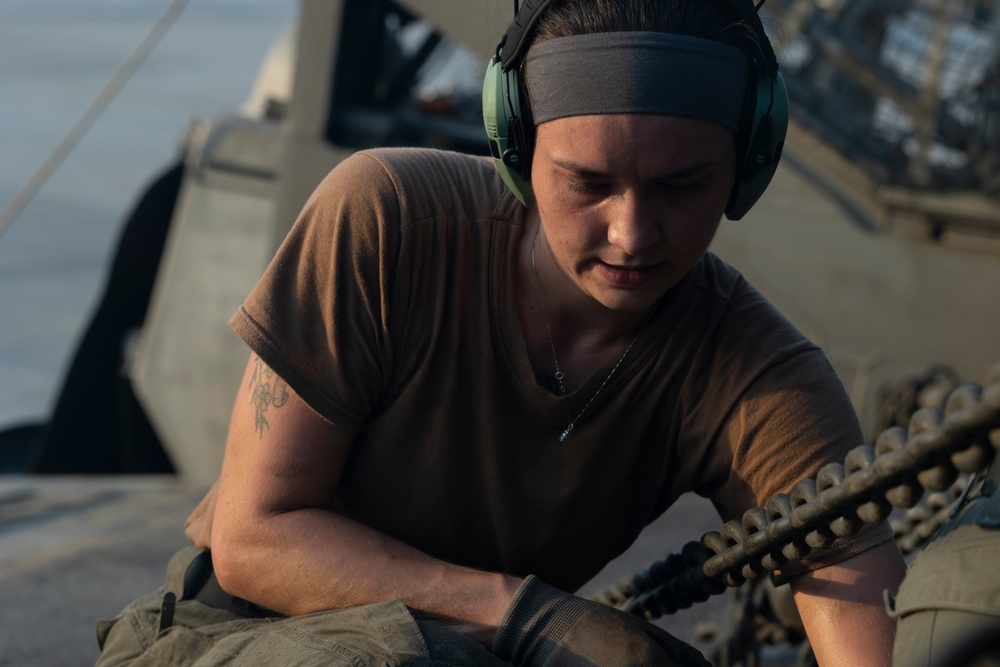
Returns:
(633, 227)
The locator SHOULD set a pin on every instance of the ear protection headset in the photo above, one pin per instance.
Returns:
(507, 115)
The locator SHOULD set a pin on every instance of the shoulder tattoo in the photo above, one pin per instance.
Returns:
(267, 391)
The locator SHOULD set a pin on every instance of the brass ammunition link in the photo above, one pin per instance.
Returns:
(939, 445)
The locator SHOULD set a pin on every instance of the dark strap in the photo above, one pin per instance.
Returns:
(213, 595)
(517, 38)
(167, 612)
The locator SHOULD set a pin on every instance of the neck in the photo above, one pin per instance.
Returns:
(561, 324)
(571, 313)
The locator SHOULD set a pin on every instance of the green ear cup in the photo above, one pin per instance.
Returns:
(501, 110)
(764, 145)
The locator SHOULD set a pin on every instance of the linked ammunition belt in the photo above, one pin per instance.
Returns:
(918, 525)
(937, 447)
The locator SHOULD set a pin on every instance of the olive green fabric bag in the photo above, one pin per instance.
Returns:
(192, 633)
(948, 606)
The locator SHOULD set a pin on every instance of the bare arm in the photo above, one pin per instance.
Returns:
(278, 541)
(843, 611)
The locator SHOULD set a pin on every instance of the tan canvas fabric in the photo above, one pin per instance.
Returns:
(391, 310)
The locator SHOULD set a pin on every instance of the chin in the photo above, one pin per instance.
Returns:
(629, 301)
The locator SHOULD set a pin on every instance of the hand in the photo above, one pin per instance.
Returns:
(489, 608)
(545, 627)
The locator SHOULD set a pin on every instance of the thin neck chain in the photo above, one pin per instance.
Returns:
(559, 373)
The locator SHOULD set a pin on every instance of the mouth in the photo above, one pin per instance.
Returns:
(630, 275)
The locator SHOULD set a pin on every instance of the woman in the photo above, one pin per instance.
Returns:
(468, 392)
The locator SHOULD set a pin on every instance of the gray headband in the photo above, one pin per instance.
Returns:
(635, 72)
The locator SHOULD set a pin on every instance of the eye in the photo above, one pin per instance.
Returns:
(586, 187)
(682, 186)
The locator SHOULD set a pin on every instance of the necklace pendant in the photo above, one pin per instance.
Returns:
(565, 434)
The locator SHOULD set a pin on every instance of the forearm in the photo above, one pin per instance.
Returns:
(843, 611)
(306, 560)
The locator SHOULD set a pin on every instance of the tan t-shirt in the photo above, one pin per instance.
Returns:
(390, 309)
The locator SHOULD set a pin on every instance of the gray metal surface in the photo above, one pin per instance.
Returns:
(73, 550)
(212, 259)
(883, 304)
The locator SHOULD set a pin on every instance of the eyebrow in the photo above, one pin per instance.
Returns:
(687, 170)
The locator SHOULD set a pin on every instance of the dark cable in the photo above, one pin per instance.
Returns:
(90, 116)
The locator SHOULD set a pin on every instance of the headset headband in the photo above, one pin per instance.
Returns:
(517, 38)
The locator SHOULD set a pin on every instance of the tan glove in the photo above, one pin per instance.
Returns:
(546, 627)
